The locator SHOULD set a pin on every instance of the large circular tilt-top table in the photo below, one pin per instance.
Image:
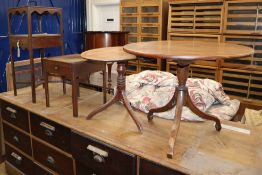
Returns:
(114, 54)
(184, 53)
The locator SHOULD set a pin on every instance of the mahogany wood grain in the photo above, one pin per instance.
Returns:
(108, 54)
(99, 39)
(184, 53)
(199, 149)
(73, 68)
(188, 50)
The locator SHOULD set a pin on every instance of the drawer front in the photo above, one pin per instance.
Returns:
(102, 159)
(18, 160)
(37, 170)
(83, 170)
(147, 167)
(51, 132)
(15, 115)
(131, 28)
(57, 68)
(150, 29)
(130, 10)
(52, 159)
(17, 139)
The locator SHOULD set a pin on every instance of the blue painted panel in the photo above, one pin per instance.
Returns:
(73, 24)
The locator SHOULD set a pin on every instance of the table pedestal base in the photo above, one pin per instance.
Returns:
(119, 96)
(181, 98)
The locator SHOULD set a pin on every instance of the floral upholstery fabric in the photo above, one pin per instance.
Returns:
(153, 89)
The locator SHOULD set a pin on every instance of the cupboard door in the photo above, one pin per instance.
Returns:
(101, 159)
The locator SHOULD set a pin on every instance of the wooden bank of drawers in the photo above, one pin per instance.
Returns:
(18, 138)
(43, 147)
(97, 158)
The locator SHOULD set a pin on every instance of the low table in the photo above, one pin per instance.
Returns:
(184, 53)
(73, 68)
(114, 54)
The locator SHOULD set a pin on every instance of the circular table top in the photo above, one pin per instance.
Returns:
(108, 54)
(188, 50)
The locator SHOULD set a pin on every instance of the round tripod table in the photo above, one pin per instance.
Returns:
(114, 54)
(184, 53)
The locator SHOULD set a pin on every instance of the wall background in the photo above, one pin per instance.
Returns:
(74, 22)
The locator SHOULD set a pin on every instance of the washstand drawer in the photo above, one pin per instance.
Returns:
(50, 132)
(15, 115)
(101, 159)
(17, 138)
(148, 167)
(37, 170)
(52, 159)
(18, 160)
(57, 68)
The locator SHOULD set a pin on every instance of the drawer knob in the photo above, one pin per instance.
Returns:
(18, 159)
(50, 160)
(56, 67)
(48, 133)
(16, 139)
(99, 158)
(12, 112)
